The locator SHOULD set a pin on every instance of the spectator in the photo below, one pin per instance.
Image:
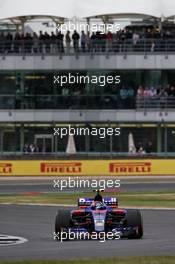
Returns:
(123, 97)
(41, 42)
(172, 92)
(47, 41)
(141, 151)
(149, 147)
(68, 42)
(163, 97)
(146, 92)
(75, 38)
(53, 42)
(2, 44)
(135, 39)
(150, 40)
(83, 41)
(33, 148)
(65, 94)
(131, 100)
(153, 92)
(26, 148)
(35, 43)
(88, 41)
(8, 43)
(109, 38)
(60, 39)
(93, 42)
(17, 43)
(140, 92)
(139, 146)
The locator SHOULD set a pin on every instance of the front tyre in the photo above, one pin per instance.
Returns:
(62, 221)
(134, 219)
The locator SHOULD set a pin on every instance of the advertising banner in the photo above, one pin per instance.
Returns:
(87, 167)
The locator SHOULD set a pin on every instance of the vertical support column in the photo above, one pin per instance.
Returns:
(165, 139)
(23, 20)
(159, 138)
(22, 137)
(55, 139)
(88, 23)
(110, 140)
(19, 91)
(87, 139)
(1, 140)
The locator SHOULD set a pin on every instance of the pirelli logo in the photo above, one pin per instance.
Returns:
(5, 168)
(130, 167)
(61, 167)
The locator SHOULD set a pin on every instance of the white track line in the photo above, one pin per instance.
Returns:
(74, 205)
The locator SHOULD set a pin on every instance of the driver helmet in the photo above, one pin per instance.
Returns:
(99, 206)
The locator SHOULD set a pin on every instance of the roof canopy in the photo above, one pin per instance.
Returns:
(83, 9)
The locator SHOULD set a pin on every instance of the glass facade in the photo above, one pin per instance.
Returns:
(39, 90)
(152, 138)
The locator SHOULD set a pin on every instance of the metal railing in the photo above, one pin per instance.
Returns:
(98, 46)
(155, 103)
(107, 101)
(49, 101)
(84, 155)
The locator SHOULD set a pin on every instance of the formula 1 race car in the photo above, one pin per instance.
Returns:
(100, 215)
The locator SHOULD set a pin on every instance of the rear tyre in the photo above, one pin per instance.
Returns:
(62, 221)
(134, 219)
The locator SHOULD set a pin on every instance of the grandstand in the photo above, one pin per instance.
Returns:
(142, 104)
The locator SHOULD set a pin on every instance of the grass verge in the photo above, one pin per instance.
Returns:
(151, 199)
(116, 260)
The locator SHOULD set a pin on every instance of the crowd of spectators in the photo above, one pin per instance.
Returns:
(30, 148)
(147, 148)
(121, 41)
(142, 148)
(161, 96)
(125, 97)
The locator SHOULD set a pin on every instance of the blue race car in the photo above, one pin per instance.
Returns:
(99, 215)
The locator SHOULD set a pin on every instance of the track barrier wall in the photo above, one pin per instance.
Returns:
(144, 167)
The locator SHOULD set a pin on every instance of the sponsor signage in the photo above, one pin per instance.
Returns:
(87, 167)
(5, 168)
(61, 167)
(130, 167)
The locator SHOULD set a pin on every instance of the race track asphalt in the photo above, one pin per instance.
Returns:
(36, 223)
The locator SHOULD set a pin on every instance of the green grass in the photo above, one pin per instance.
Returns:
(149, 199)
(116, 260)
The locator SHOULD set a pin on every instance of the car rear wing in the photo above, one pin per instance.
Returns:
(109, 201)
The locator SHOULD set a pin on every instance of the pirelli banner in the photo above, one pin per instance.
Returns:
(87, 167)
